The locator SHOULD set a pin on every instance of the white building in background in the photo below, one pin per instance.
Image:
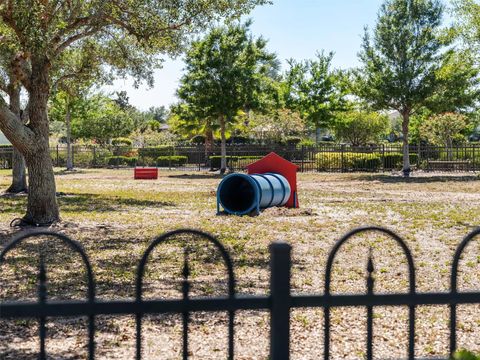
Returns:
(3, 139)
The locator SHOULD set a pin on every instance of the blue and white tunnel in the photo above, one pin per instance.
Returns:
(241, 194)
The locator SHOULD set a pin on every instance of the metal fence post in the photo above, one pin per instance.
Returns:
(280, 264)
(57, 156)
(342, 157)
(473, 158)
(383, 157)
(303, 158)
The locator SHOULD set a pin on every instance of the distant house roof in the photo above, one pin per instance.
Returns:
(3, 139)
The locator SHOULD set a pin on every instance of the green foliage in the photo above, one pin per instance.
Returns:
(122, 141)
(465, 355)
(444, 129)
(156, 151)
(164, 161)
(353, 161)
(348, 161)
(104, 120)
(121, 160)
(394, 160)
(293, 140)
(360, 127)
(457, 83)
(198, 140)
(401, 61)
(228, 71)
(159, 114)
(467, 23)
(275, 126)
(232, 161)
(307, 142)
(315, 90)
(149, 138)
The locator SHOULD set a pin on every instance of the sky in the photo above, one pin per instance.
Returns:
(294, 29)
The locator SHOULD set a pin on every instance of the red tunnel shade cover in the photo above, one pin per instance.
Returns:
(274, 163)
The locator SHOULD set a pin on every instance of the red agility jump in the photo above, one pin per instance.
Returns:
(145, 173)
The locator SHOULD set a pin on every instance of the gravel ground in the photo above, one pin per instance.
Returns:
(115, 218)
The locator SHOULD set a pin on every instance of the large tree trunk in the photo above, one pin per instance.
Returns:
(19, 173)
(42, 207)
(68, 118)
(223, 163)
(406, 151)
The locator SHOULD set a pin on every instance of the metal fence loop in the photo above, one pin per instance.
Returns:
(279, 302)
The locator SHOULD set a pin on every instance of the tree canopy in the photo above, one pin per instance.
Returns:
(127, 36)
(408, 64)
(315, 90)
(226, 72)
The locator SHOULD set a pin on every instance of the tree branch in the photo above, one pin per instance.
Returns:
(73, 39)
(15, 131)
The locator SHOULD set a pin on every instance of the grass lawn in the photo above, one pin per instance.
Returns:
(115, 218)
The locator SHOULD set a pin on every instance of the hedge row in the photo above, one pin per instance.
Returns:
(155, 152)
(122, 160)
(215, 161)
(361, 161)
(167, 161)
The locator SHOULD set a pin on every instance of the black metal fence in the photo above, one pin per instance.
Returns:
(279, 303)
(320, 158)
(6, 155)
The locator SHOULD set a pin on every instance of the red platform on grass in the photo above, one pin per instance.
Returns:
(145, 173)
(274, 163)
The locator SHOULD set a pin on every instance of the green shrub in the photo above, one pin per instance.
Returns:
(121, 160)
(293, 140)
(232, 161)
(395, 160)
(164, 161)
(83, 158)
(155, 152)
(239, 140)
(465, 355)
(307, 142)
(198, 140)
(348, 161)
(121, 141)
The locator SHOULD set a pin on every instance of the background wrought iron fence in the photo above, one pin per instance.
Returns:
(279, 302)
(319, 158)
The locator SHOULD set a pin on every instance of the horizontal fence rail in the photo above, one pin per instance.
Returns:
(279, 302)
(324, 157)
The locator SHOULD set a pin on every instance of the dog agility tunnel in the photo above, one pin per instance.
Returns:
(241, 194)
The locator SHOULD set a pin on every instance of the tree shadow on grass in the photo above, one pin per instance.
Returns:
(69, 172)
(389, 179)
(196, 176)
(100, 203)
(83, 202)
